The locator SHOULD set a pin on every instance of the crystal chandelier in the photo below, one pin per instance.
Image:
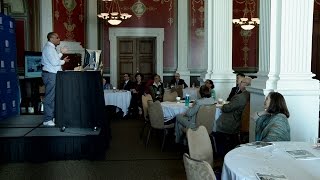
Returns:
(114, 15)
(247, 23)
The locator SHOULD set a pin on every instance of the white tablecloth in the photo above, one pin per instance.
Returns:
(121, 99)
(172, 109)
(243, 162)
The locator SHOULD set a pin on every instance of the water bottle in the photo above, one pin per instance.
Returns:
(187, 100)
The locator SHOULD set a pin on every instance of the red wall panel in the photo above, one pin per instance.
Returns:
(157, 14)
(197, 49)
(68, 19)
(20, 40)
(245, 43)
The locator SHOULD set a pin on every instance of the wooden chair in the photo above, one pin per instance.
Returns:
(170, 96)
(199, 144)
(197, 169)
(244, 128)
(145, 99)
(157, 121)
(206, 117)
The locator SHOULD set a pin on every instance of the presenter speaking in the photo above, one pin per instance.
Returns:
(51, 64)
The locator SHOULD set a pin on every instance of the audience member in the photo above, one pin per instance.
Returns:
(273, 125)
(236, 90)
(156, 89)
(105, 84)
(188, 119)
(210, 85)
(228, 124)
(127, 83)
(137, 91)
(177, 81)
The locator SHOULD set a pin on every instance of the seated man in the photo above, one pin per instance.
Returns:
(188, 119)
(127, 83)
(177, 81)
(228, 124)
(236, 90)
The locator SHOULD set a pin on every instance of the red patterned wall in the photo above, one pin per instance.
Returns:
(245, 43)
(197, 49)
(69, 19)
(157, 14)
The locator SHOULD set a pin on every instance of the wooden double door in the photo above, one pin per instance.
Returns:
(136, 55)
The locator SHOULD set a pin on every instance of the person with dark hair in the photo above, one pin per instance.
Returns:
(127, 83)
(176, 81)
(156, 89)
(188, 119)
(137, 91)
(236, 90)
(51, 62)
(210, 85)
(273, 125)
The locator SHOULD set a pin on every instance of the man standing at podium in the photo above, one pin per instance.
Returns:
(51, 64)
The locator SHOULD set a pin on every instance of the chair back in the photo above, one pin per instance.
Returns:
(155, 115)
(197, 169)
(170, 96)
(245, 117)
(200, 145)
(179, 90)
(145, 99)
(206, 117)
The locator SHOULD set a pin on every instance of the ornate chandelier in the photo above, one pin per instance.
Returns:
(114, 15)
(247, 23)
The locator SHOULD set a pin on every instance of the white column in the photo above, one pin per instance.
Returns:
(183, 40)
(218, 35)
(285, 64)
(46, 20)
(92, 25)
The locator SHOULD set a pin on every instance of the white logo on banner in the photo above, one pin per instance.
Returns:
(0, 20)
(8, 84)
(4, 107)
(7, 43)
(12, 64)
(2, 64)
(13, 103)
(11, 24)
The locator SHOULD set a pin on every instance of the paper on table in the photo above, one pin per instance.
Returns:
(302, 154)
(265, 176)
(259, 144)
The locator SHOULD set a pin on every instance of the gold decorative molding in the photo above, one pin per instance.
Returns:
(200, 30)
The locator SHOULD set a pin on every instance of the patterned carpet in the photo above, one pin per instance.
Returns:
(127, 158)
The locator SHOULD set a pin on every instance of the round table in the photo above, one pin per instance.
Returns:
(244, 162)
(118, 98)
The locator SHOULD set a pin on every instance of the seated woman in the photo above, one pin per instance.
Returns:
(105, 84)
(210, 85)
(188, 119)
(273, 125)
(156, 89)
(137, 91)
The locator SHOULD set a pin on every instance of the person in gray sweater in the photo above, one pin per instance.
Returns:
(188, 119)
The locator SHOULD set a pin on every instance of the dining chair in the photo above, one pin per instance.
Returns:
(157, 121)
(145, 99)
(206, 117)
(244, 127)
(179, 90)
(170, 96)
(197, 169)
(199, 144)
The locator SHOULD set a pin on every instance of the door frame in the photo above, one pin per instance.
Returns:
(114, 33)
